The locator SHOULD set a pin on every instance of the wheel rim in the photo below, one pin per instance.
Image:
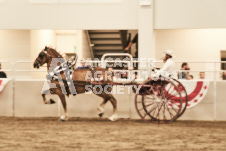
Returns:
(159, 104)
(141, 109)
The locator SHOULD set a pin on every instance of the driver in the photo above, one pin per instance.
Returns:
(168, 69)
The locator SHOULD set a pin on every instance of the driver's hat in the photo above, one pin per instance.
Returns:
(170, 53)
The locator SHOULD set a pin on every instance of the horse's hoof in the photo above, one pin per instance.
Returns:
(100, 111)
(52, 101)
(113, 118)
(101, 114)
(63, 118)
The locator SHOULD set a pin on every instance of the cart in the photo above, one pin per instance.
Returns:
(158, 101)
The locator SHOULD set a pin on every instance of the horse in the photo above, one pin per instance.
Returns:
(80, 81)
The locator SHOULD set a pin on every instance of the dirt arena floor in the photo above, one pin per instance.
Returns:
(100, 134)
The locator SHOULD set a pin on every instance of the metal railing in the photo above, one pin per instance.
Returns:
(147, 65)
(14, 70)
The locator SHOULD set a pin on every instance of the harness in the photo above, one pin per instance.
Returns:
(68, 68)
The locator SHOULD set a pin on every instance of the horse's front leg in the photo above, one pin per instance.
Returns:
(114, 116)
(63, 101)
(49, 101)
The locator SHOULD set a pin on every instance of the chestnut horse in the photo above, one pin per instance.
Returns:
(80, 82)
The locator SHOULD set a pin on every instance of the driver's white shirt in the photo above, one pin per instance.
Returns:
(168, 66)
(168, 69)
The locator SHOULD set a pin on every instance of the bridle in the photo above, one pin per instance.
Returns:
(40, 57)
(45, 52)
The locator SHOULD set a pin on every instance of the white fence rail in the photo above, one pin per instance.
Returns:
(16, 86)
(25, 68)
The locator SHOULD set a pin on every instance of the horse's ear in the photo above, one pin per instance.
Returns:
(46, 48)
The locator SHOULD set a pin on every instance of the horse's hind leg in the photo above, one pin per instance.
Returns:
(106, 96)
(101, 107)
(114, 116)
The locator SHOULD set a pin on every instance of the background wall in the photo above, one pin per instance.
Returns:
(85, 45)
(14, 44)
(114, 14)
(111, 14)
(173, 14)
(188, 45)
(73, 41)
(74, 14)
(25, 45)
(192, 45)
(121, 14)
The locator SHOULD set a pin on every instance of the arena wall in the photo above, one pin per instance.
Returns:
(6, 100)
(24, 14)
(14, 44)
(174, 14)
(115, 14)
(189, 44)
(27, 102)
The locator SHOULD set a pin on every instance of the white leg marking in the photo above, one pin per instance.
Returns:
(113, 118)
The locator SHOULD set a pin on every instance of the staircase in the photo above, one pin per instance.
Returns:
(107, 41)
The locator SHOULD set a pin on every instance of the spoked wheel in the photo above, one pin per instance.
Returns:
(160, 103)
(183, 94)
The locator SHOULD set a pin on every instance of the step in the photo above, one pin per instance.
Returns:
(104, 52)
(108, 50)
(106, 41)
(95, 33)
(105, 36)
(104, 31)
(107, 47)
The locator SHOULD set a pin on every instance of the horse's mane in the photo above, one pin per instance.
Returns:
(54, 51)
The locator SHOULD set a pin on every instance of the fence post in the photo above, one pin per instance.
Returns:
(13, 83)
(215, 92)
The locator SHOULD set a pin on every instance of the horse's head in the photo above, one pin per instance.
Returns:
(41, 59)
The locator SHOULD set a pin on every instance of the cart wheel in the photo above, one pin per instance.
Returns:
(183, 94)
(161, 103)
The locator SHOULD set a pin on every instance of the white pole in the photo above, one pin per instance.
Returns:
(215, 93)
(13, 83)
